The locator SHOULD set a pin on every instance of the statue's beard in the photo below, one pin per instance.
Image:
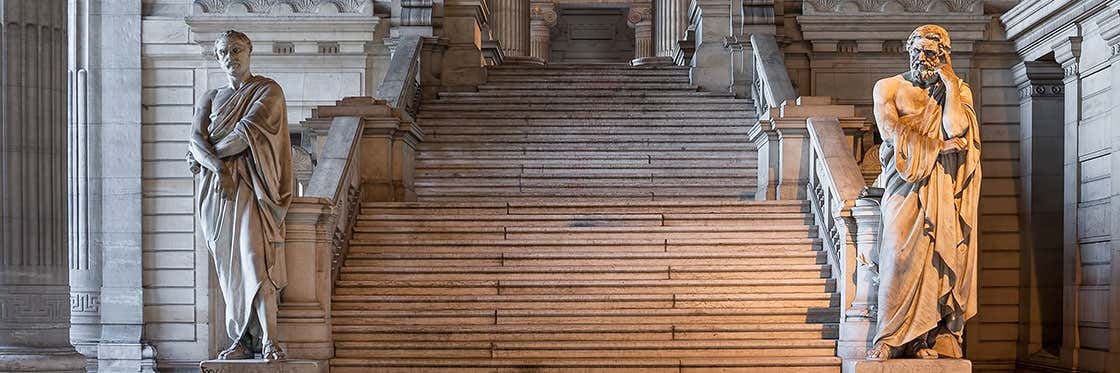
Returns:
(922, 73)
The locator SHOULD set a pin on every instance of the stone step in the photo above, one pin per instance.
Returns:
(580, 220)
(559, 138)
(666, 232)
(609, 301)
(586, 147)
(585, 78)
(577, 332)
(636, 100)
(586, 155)
(686, 272)
(605, 86)
(682, 108)
(496, 248)
(510, 93)
(639, 163)
(636, 193)
(743, 115)
(724, 255)
(595, 349)
(593, 365)
(582, 122)
(703, 316)
(574, 287)
(580, 207)
(541, 130)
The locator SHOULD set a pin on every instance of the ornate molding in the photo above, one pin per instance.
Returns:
(639, 14)
(85, 302)
(825, 5)
(416, 12)
(962, 6)
(871, 6)
(297, 6)
(916, 6)
(35, 305)
(1072, 70)
(544, 13)
(1042, 90)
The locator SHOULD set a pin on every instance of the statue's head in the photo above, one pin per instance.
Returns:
(232, 49)
(929, 49)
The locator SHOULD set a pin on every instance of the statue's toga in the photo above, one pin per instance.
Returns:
(241, 154)
(931, 179)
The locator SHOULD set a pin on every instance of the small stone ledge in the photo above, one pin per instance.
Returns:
(263, 366)
(908, 366)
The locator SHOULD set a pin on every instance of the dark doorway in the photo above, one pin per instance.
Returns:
(592, 35)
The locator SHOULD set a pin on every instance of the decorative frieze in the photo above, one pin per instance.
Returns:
(46, 306)
(907, 6)
(1042, 90)
(297, 6)
(85, 302)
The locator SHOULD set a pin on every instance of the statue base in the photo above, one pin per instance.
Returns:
(263, 366)
(908, 366)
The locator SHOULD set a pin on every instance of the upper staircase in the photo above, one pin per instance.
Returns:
(585, 218)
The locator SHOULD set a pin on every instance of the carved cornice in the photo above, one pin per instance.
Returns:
(298, 6)
(908, 6)
(1042, 90)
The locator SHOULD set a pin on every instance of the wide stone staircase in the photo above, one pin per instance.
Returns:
(585, 218)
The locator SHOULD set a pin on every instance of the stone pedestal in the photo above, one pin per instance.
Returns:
(262, 366)
(463, 22)
(711, 64)
(909, 366)
(34, 271)
(542, 18)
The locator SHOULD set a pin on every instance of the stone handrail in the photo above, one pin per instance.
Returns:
(770, 85)
(849, 224)
(318, 226)
(401, 86)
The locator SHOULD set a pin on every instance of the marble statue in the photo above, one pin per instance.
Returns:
(240, 153)
(931, 179)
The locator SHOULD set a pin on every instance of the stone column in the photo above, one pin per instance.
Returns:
(1067, 53)
(640, 19)
(1040, 174)
(511, 27)
(34, 275)
(670, 21)
(542, 18)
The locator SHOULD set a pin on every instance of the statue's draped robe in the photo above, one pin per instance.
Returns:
(244, 233)
(927, 259)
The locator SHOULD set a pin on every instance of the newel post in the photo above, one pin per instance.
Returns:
(859, 296)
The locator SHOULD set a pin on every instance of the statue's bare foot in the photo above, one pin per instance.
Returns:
(271, 352)
(879, 352)
(237, 351)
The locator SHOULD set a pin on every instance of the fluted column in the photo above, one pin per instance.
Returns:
(34, 271)
(670, 21)
(511, 28)
(542, 18)
(640, 19)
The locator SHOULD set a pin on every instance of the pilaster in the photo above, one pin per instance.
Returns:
(711, 64)
(640, 18)
(1067, 53)
(670, 21)
(511, 28)
(542, 18)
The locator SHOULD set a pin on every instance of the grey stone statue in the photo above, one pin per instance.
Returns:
(240, 153)
(931, 178)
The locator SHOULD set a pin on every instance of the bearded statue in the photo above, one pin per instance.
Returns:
(931, 178)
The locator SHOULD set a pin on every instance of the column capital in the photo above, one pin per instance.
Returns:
(639, 14)
(543, 11)
(1038, 79)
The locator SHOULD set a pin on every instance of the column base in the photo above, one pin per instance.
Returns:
(908, 366)
(652, 61)
(42, 360)
(522, 60)
(263, 366)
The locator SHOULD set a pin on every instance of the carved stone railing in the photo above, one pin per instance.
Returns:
(318, 226)
(848, 221)
(401, 86)
(770, 82)
(364, 150)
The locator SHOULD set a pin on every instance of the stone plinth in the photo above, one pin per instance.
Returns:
(262, 366)
(909, 366)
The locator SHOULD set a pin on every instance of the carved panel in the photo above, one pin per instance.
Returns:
(824, 5)
(298, 6)
(85, 302)
(873, 6)
(916, 6)
(34, 305)
(1042, 90)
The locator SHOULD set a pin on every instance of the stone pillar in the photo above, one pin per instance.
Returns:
(640, 19)
(781, 138)
(1040, 215)
(670, 21)
(463, 27)
(34, 275)
(711, 63)
(511, 27)
(542, 18)
(1067, 53)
